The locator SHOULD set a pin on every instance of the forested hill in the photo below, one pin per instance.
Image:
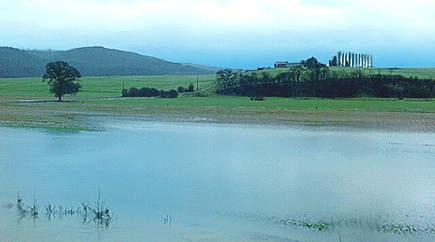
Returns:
(19, 63)
(90, 61)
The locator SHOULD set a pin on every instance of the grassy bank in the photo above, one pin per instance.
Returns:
(101, 96)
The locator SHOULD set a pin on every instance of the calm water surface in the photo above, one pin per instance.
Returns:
(220, 183)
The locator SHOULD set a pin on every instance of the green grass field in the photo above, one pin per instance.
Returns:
(97, 87)
(354, 104)
(101, 96)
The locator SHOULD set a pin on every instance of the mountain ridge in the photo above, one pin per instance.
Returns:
(92, 61)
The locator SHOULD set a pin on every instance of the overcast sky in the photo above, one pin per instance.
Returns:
(230, 33)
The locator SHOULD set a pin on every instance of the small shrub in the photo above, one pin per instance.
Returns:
(172, 94)
(191, 88)
(148, 92)
(199, 94)
(257, 98)
(169, 94)
(180, 89)
(124, 92)
(132, 92)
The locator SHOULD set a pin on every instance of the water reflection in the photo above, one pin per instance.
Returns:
(220, 182)
(337, 224)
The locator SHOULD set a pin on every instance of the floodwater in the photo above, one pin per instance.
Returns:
(214, 182)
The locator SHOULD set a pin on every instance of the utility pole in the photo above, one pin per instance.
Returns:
(123, 88)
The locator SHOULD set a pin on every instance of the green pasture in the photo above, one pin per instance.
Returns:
(276, 103)
(97, 87)
(101, 96)
(107, 90)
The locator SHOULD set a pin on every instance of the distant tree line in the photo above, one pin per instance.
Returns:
(320, 81)
(148, 92)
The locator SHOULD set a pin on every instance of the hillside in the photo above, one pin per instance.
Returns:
(91, 61)
(209, 68)
(19, 63)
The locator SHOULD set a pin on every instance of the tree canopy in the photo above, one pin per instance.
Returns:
(62, 78)
(322, 82)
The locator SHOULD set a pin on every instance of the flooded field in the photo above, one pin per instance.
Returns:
(214, 182)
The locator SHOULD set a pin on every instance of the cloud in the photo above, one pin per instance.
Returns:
(203, 14)
(227, 25)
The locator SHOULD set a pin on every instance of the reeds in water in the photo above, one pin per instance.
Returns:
(99, 213)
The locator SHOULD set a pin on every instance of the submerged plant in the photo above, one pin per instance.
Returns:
(101, 213)
(23, 211)
(98, 213)
(167, 220)
(33, 210)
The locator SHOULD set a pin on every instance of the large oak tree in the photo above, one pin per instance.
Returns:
(62, 78)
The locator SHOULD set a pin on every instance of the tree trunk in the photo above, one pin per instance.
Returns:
(59, 99)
